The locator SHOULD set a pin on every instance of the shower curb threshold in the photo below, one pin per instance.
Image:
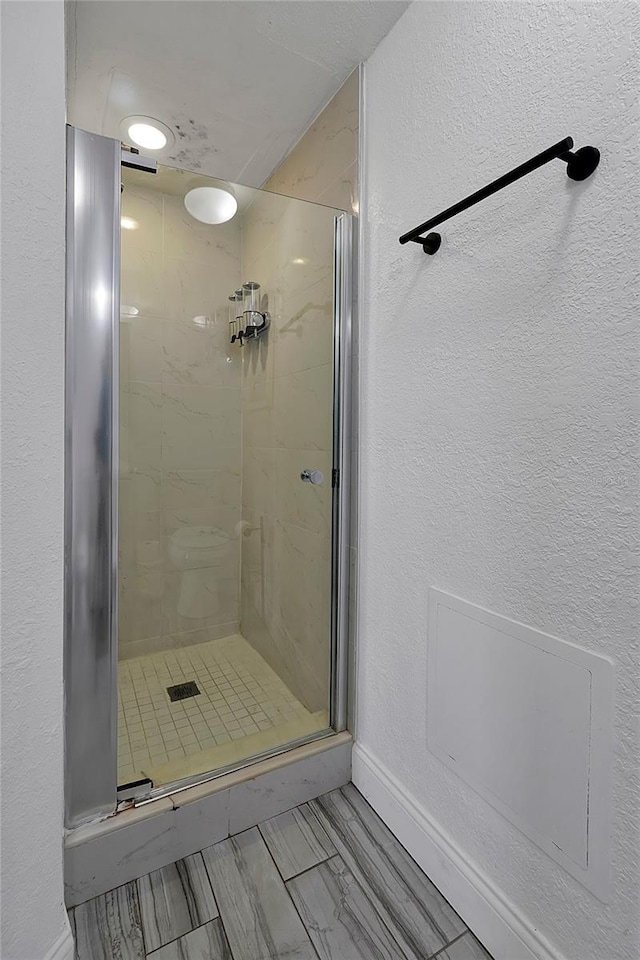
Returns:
(103, 855)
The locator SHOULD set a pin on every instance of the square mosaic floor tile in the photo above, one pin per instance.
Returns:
(239, 696)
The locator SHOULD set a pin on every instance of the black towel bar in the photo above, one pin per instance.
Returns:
(580, 165)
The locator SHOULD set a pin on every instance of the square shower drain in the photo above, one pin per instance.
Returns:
(183, 690)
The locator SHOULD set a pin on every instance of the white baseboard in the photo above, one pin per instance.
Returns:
(505, 932)
(63, 948)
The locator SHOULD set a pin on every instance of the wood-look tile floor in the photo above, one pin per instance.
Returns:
(325, 881)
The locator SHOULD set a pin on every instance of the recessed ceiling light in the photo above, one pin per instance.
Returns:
(147, 136)
(128, 223)
(211, 204)
(300, 260)
(127, 311)
(146, 132)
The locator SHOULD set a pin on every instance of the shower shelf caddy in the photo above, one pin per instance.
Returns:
(580, 165)
(247, 321)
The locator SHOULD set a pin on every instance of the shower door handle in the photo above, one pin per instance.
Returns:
(312, 476)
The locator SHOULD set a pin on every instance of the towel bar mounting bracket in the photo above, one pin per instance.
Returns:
(581, 163)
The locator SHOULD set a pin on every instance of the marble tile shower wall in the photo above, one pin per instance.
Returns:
(180, 424)
(323, 166)
(287, 388)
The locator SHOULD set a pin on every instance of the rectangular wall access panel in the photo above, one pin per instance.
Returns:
(524, 718)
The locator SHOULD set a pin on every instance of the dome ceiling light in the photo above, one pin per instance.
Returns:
(211, 204)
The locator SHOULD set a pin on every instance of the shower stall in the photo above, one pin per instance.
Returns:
(207, 514)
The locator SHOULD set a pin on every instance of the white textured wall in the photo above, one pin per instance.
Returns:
(499, 398)
(33, 917)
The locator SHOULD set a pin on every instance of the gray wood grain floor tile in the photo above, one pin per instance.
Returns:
(406, 899)
(109, 928)
(296, 841)
(342, 922)
(259, 917)
(206, 943)
(174, 900)
(368, 901)
(466, 948)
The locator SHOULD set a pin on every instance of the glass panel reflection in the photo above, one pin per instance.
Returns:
(225, 553)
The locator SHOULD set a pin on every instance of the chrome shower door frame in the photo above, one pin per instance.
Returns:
(92, 467)
(344, 252)
(91, 475)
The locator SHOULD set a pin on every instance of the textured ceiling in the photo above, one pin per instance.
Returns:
(237, 81)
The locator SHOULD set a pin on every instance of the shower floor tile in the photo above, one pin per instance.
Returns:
(243, 707)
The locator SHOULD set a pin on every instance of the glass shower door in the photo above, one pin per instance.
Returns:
(226, 503)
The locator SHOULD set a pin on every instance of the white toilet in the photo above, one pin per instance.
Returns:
(202, 553)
